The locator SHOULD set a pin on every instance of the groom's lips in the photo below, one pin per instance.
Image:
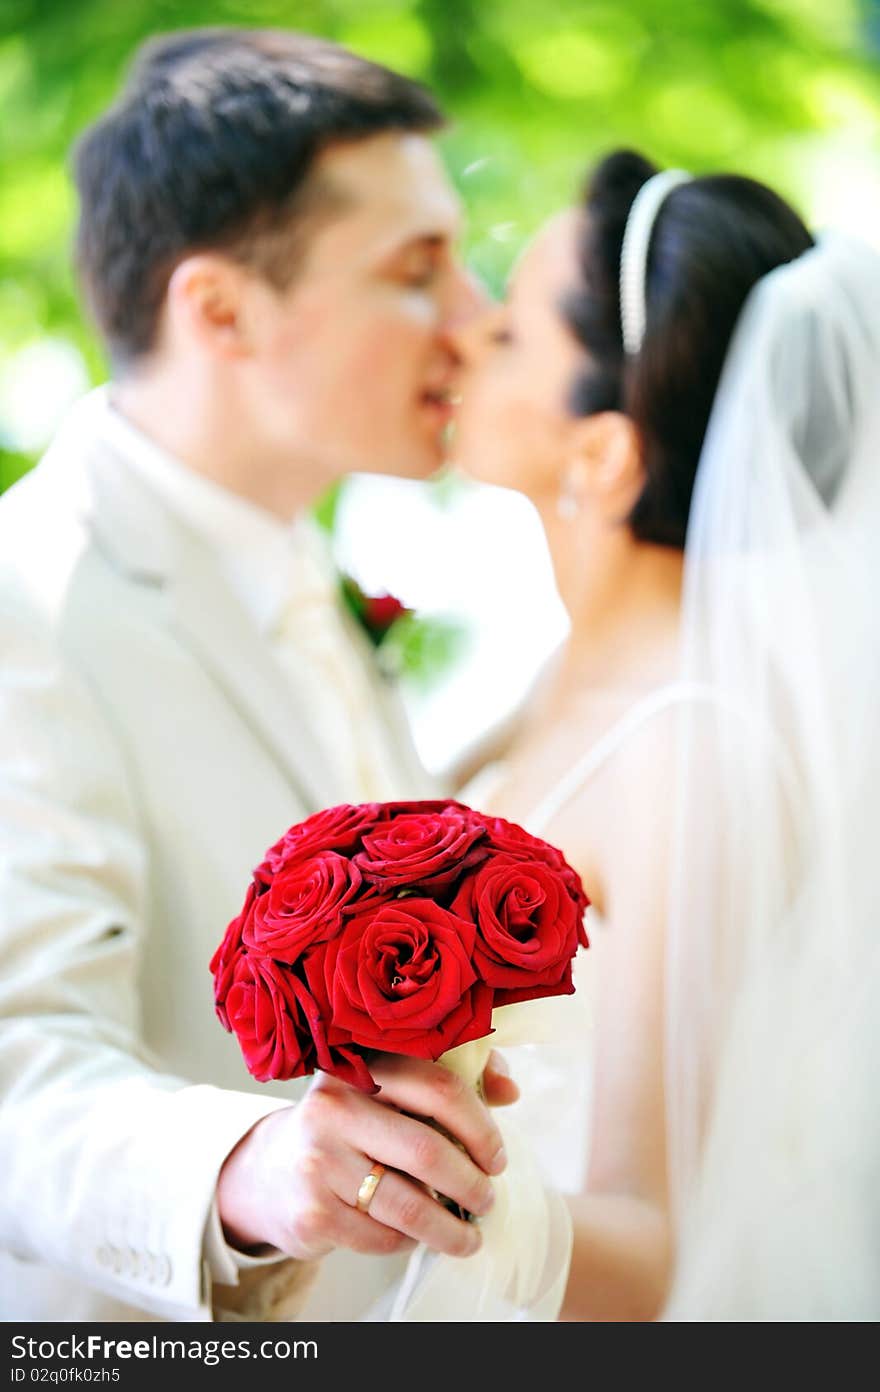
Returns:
(440, 404)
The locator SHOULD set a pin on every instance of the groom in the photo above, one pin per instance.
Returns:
(266, 244)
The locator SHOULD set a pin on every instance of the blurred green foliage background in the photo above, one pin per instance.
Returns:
(787, 90)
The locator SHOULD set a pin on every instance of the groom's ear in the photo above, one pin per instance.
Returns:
(605, 460)
(206, 304)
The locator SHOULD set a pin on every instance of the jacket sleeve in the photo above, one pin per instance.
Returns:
(109, 1165)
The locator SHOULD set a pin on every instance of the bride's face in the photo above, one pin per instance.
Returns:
(520, 359)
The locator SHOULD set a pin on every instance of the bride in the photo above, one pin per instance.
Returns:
(676, 360)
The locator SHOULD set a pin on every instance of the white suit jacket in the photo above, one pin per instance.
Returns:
(149, 753)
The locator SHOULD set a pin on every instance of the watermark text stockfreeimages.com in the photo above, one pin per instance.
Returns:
(87, 1348)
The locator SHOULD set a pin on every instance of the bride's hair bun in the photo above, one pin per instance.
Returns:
(713, 238)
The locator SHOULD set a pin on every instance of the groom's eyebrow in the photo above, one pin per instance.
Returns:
(398, 251)
(432, 242)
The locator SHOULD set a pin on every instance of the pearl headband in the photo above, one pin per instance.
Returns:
(634, 253)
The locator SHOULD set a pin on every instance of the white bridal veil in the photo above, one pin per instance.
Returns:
(773, 1048)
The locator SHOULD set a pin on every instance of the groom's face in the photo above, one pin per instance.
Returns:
(353, 365)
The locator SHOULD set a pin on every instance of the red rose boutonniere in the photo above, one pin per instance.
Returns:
(376, 614)
(408, 644)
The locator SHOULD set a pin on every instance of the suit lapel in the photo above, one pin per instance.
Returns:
(142, 537)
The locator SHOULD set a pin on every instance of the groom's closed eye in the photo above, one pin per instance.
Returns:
(421, 275)
(419, 262)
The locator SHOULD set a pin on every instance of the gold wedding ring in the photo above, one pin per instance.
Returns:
(369, 1185)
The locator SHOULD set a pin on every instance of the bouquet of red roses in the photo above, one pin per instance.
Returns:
(396, 927)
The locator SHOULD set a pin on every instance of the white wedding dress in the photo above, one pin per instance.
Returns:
(554, 1070)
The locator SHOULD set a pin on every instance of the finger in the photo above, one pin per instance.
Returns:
(344, 1119)
(430, 1090)
(498, 1087)
(339, 1224)
(418, 1150)
(414, 1147)
(405, 1207)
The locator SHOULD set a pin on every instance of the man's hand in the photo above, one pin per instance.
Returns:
(292, 1181)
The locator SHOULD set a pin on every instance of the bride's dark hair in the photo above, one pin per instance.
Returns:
(714, 237)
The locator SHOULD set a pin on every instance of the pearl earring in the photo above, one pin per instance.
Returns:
(569, 498)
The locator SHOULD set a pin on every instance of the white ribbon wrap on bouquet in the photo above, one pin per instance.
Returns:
(521, 1269)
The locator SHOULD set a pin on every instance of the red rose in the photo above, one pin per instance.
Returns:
(527, 928)
(227, 957)
(334, 829)
(389, 810)
(381, 611)
(347, 1064)
(271, 1014)
(280, 1029)
(302, 906)
(399, 978)
(513, 840)
(424, 849)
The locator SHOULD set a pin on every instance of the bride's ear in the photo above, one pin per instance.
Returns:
(604, 463)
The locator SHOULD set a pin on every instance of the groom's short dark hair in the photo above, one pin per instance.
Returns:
(210, 146)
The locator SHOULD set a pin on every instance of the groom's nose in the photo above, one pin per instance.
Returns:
(468, 299)
(474, 334)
